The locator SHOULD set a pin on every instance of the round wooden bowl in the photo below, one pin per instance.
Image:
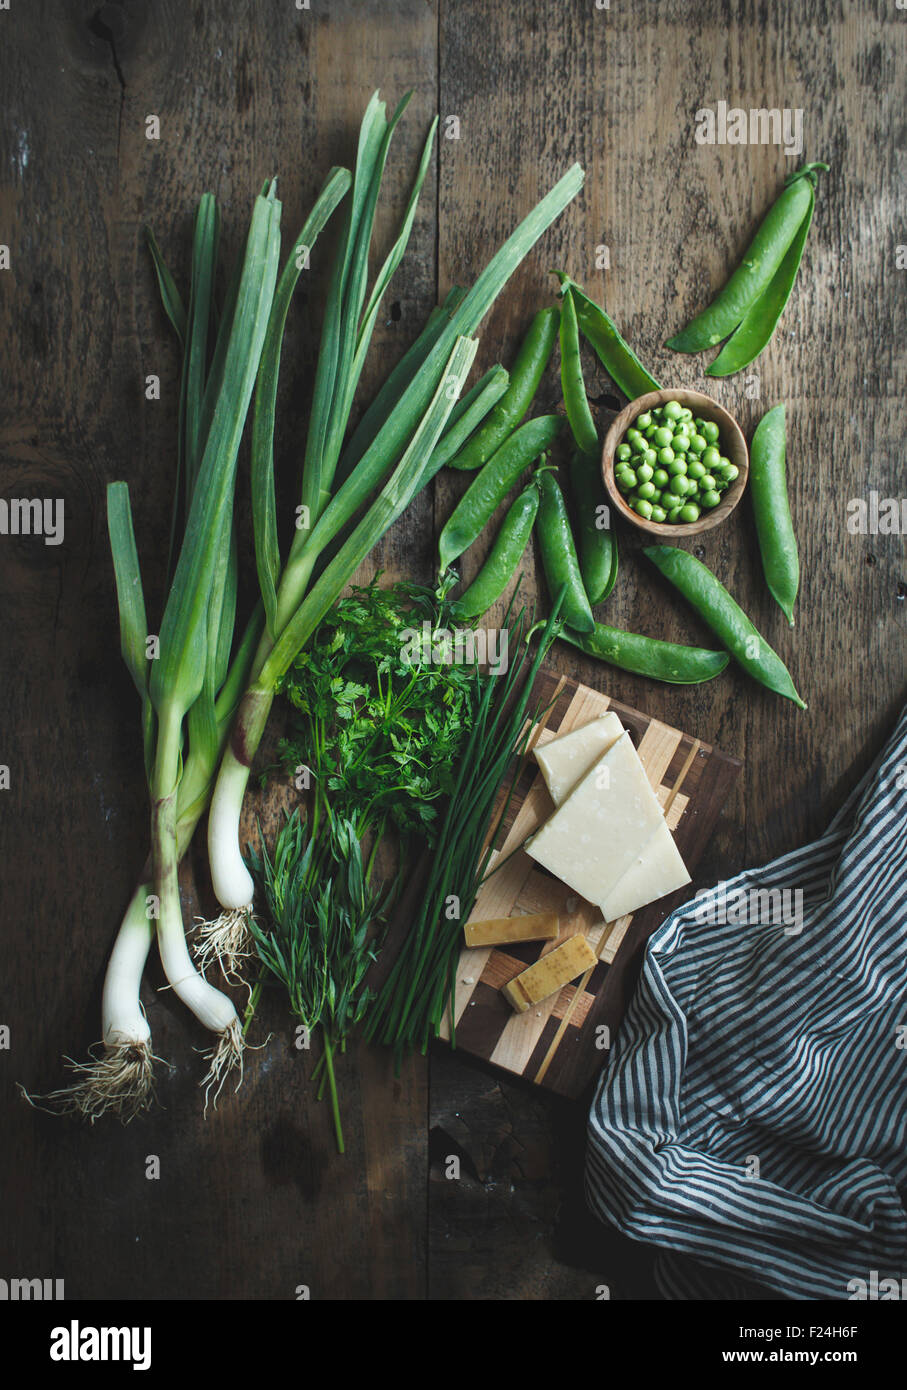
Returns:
(733, 446)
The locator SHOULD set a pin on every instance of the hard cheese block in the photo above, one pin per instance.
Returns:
(565, 760)
(550, 973)
(658, 869)
(497, 931)
(598, 832)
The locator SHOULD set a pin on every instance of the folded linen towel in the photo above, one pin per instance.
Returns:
(752, 1117)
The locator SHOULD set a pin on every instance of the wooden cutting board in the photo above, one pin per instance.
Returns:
(561, 1042)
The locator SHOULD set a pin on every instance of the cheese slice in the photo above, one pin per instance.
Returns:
(598, 831)
(658, 868)
(550, 973)
(564, 760)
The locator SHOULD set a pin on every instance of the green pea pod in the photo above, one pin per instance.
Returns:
(503, 558)
(576, 403)
(760, 264)
(647, 656)
(725, 617)
(597, 541)
(489, 488)
(616, 356)
(525, 375)
(559, 559)
(768, 489)
(754, 332)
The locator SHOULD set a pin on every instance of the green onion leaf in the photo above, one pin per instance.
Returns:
(469, 413)
(130, 596)
(264, 506)
(396, 495)
(384, 451)
(383, 279)
(178, 674)
(396, 383)
(195, 360)
(346, 294)
(131, 603)
(170, 295)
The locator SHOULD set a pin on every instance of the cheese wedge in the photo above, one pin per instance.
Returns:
(565, 759)
(550, 974)
(536, 926)
(597, 833)
(658, 869)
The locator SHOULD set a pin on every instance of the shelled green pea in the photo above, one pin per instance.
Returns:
(669, 465)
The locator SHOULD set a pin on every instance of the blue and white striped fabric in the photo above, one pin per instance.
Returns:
(747, 1041)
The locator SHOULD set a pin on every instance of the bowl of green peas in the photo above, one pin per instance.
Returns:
(675, 463)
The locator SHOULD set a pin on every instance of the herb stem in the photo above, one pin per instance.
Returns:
(254, 998)
(335, 1107)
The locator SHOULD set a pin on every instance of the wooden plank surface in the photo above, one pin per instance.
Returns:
(618, 89)
(253, 1202)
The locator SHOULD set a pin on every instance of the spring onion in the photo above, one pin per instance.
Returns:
(190, 693)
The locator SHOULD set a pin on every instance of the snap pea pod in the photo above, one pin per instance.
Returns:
(468, 413)
(616, 356)
(725, 617)
(758, 325)
(503, 558)
(759, 265)
(559, 558)
(771, 508)
(760, 320)
(648, 656)
(576, 403)
(597, 542)
(525, 375)
(489, 488)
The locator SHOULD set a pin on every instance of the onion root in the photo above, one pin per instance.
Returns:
(119, 1081)
(226, 941)
(225, 1057)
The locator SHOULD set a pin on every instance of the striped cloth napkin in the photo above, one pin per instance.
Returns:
(752, 1118)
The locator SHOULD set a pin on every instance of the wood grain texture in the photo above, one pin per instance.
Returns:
(508, 1216)
(618, 88)
(253, 1202)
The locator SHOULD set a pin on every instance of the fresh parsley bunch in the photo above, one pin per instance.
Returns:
(380, 730)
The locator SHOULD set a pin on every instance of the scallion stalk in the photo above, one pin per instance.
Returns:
(188, 641)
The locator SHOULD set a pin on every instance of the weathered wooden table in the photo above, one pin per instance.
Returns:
(252, 1201)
